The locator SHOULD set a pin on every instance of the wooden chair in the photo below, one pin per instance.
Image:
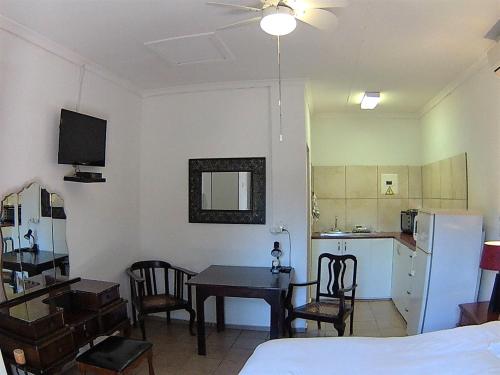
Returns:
(330, 304)
(116, 356)
(149, 297)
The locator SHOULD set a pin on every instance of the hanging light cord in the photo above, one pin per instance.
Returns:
(279, 89)
(289, 247)
(80, 87)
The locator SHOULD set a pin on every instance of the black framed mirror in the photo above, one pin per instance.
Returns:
(227, 190)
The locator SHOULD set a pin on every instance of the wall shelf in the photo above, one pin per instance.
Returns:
(83, 180)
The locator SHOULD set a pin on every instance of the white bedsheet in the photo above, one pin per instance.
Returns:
(465, 350)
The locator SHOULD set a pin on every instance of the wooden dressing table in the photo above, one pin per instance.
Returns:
(52, 322)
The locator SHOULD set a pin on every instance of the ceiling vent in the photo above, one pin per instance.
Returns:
(191, 49)
(494, 52)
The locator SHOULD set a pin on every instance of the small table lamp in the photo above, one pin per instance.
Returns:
(490, 260)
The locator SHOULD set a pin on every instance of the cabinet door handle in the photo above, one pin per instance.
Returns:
(406, 309)
(407, 292)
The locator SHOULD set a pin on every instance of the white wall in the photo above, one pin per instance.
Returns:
(468, 120)
(365, 139)
(237, 121)
(35, 84)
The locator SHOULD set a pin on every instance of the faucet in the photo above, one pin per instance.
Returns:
(336, 228)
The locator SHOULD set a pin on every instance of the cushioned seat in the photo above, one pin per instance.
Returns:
(161, 301)
(115, 354)
(322, 309)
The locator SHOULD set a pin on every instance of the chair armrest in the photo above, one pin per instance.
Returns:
(303, 284)
(289, 295)
(134, 277)
(348, 289)
(183, 270)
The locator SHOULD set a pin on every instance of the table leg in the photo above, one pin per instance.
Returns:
(283, 317)
(219, 305)
(62, 268)
(276, 315)
(200, 320)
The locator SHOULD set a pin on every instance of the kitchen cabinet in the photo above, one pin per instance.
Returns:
(374, 256)
(402, 274)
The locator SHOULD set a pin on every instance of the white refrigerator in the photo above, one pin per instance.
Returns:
(445, 270)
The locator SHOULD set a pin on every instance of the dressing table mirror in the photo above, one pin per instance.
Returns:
(33, 239)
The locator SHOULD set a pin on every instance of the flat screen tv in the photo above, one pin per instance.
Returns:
(82, 139)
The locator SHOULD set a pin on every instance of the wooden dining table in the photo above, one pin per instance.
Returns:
(244, 282)
(34, 263)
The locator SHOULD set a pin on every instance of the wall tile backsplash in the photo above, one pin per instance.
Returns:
(361, 182)
(330, 182)
(355, 195)
(444, 183)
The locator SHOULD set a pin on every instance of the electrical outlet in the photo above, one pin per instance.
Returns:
(278, 228)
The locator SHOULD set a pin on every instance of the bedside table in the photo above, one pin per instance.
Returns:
(475, 313)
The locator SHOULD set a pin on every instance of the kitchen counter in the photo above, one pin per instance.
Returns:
(405, 239)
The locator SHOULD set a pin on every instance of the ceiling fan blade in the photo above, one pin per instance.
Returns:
(316, 4)
(325, 4)
(318, 18)
(234, 6)
(240, 23)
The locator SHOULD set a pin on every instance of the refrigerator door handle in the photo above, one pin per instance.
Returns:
(415, 228)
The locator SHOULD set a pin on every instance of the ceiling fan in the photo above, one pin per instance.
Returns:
(279, 17)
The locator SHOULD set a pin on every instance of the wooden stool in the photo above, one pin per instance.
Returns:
(115, 356)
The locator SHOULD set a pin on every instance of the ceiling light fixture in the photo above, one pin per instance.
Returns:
(370, 100)
(278, 21)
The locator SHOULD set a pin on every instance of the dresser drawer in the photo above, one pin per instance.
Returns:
(108, 296)
(42, 353)
(96, 301)
(85, 332)
(34, 329)
(113, 316)
(56, 349)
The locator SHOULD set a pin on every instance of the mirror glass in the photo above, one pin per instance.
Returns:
(35, 253)
(10, 219)
(226, 191)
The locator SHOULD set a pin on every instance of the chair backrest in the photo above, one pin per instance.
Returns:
(155, 271)
(339, 268)
(5, 247)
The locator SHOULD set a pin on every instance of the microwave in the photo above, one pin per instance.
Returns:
(407, 220)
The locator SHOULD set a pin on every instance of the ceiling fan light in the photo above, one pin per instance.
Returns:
(370, 100)
(278, 20)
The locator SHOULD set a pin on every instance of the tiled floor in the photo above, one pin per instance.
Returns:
(175, 350)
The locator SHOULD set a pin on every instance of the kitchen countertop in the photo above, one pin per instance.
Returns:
(405, 239)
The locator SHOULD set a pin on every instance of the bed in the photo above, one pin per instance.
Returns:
(464, 350)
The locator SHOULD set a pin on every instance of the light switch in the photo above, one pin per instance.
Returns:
(389, 184)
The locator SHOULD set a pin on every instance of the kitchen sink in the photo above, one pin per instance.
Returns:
(342, 234)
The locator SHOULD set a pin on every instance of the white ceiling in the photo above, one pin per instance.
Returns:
(408, 49)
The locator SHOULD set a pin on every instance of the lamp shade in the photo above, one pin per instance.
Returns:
(490, 259)
(279, 20)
